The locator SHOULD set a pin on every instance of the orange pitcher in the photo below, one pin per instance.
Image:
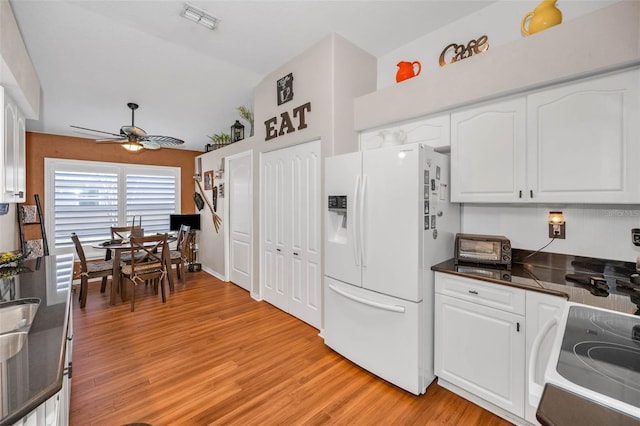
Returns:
(545, 15)
(407, 70)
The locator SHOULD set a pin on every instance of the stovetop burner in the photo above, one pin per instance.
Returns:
(601, 352)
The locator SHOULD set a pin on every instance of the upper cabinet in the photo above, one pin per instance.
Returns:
(574, 143)
(17, 74)
(583, 141)
(433, 131)
(12, 154)
(488, 145)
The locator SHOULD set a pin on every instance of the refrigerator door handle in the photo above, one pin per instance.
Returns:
(354, 227)
(361, 219)
(384, 306)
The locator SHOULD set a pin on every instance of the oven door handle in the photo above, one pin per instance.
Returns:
(535, 389)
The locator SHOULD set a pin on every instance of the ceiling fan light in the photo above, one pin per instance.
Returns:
(132, 146)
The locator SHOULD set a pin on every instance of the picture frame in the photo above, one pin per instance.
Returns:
(284, 89)
(208, 180)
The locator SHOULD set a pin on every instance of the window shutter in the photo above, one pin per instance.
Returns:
(85, 203)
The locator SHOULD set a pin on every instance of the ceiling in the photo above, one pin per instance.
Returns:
(92, 57)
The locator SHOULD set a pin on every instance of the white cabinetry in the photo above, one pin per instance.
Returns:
(484, 336)
(55, 410)
(571, 143)
(434, 131)
(488, 144)
(583, 141)
(541, 308)
(12, 154)
(480, 340)
(291, 243)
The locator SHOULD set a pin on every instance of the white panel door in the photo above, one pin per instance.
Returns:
(291, 243)
(306, 211)
(239, 196)
(274, 284)
(393, 221)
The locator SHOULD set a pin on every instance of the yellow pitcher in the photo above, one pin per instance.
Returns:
(545, 15)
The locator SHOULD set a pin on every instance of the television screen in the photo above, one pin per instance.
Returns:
(192, 220)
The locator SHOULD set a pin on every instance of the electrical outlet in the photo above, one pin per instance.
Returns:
(558, 231)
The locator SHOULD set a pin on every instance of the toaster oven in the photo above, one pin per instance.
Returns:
(482, 249)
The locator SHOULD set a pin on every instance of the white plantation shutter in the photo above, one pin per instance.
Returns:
(88, 197)
(152, 198)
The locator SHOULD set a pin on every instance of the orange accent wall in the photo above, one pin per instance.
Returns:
(41, 145)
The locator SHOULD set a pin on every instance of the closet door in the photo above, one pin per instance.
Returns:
(291, 243)
(274, 212)
(305, 243)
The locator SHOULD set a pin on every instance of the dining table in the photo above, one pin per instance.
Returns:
(116, 247)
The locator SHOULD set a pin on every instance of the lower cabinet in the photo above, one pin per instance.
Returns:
(541, 308)
(483, 337)
(55, 410)
(480, 348)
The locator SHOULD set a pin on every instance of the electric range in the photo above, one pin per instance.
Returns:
(596, 355)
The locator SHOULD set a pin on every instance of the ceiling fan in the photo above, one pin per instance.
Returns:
(134, 138)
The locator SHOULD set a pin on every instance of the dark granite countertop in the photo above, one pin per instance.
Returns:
(36, 372)
(545, 272)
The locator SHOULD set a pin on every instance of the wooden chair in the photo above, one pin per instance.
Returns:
(151, 266)
(179, 255)
(124, 233)
(100, 269)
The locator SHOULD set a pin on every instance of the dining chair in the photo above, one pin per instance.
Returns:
(88, 270)
(150, 266)
(178, 256)
(124, 233)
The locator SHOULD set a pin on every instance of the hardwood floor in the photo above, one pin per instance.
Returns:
(213, 355)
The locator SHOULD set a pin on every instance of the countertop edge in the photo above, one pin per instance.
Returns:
(437, 268)
(50, 390)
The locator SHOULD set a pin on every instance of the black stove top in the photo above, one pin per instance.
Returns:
(601, 352)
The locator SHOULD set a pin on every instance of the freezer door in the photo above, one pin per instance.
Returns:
(341, 250)
(393, 201)
(379, 333)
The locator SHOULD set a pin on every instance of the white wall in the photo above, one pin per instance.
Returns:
(500, 22)
(593, 231)
(330, 75)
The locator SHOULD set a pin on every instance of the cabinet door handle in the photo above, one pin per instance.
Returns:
(520, 194)
(473, 292)
(295, 254)
(278, 250)
(518, 327)
(531, 193)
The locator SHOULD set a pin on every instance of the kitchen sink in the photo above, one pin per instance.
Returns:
(17, 315)
(11, 343)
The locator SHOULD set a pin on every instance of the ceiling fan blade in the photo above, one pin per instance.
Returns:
(150, 145)
(97, 131)
(161, 140)
(132, 130)
(119, 140)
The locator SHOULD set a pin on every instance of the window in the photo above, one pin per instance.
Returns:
(89, 197)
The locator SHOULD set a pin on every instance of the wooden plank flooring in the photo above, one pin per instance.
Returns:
(212, 355)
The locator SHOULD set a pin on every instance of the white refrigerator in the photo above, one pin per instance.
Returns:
(388, 220)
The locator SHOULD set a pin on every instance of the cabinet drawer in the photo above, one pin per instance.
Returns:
(505, 298)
